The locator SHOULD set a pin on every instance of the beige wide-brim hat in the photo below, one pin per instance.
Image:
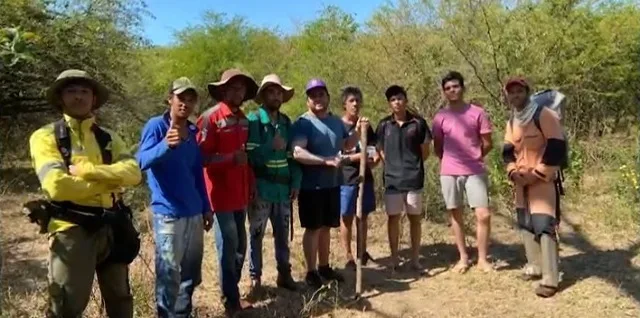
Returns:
(53, 92)
(273, 79)
(216, 92)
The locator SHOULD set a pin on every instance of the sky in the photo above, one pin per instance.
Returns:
(286, 15)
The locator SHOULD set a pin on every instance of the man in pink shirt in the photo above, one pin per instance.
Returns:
(462, 138)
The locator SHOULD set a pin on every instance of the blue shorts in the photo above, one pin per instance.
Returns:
(349, 196)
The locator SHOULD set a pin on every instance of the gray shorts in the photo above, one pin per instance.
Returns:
(476, 188)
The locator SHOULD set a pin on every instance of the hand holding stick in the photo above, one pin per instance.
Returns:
(359, 229)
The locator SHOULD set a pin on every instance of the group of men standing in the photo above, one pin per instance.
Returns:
(226, 166)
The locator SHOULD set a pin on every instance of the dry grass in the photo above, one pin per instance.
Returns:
(601, 273)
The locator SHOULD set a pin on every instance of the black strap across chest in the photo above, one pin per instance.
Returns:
(63, 142)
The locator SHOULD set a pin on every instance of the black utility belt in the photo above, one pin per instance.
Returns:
(75, 208)
(91, 218)
(126, 239)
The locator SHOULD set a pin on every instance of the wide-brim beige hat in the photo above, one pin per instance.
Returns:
(214, 88)
(273, 79)
(99, 90)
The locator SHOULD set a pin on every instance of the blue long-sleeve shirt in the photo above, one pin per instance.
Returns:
(175, 176)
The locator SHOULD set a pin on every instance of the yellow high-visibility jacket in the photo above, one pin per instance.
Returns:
(94, 181)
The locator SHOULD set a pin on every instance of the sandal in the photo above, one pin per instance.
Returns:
(394, 265)
(419, 268)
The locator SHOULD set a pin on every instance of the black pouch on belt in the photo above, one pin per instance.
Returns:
(126, 238)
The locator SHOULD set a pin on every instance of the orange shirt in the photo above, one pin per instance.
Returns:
(529, 143)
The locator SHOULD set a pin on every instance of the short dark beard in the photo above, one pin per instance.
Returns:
(272, 109)
(324, 113)
(234, 108)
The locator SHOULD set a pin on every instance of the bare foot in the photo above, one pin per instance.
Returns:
(461, 267)
(485, 267)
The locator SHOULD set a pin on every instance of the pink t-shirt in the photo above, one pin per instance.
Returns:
(462, 145)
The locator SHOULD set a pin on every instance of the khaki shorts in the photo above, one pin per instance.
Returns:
(408, 202)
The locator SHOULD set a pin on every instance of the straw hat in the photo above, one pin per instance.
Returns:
(273, 79)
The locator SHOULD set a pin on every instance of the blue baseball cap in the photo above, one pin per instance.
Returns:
(315, 83)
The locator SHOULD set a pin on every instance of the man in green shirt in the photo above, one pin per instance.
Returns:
(277, 177)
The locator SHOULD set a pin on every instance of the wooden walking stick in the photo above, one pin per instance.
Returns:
(359, 230)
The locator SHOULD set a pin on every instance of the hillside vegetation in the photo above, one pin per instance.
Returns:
(590, 50)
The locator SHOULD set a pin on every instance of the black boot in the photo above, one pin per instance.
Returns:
(285, 281)
(329, 274)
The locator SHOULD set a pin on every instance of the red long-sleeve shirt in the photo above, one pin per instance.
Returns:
(221, 134)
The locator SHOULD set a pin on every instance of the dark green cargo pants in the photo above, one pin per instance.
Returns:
(73, 258)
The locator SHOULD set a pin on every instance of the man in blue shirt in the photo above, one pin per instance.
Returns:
(319, 137)
(170, 157)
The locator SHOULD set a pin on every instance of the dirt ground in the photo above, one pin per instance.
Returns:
(601, 276)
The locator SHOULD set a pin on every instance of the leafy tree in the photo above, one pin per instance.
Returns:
(14, 47)
(589, 50)
(98, 36)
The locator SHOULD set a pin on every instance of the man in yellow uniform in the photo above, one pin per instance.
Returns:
(81, 168)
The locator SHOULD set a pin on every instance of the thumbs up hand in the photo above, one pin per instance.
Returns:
(173, 134)
(173, 120)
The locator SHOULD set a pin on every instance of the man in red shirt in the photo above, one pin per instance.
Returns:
(223, 133)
